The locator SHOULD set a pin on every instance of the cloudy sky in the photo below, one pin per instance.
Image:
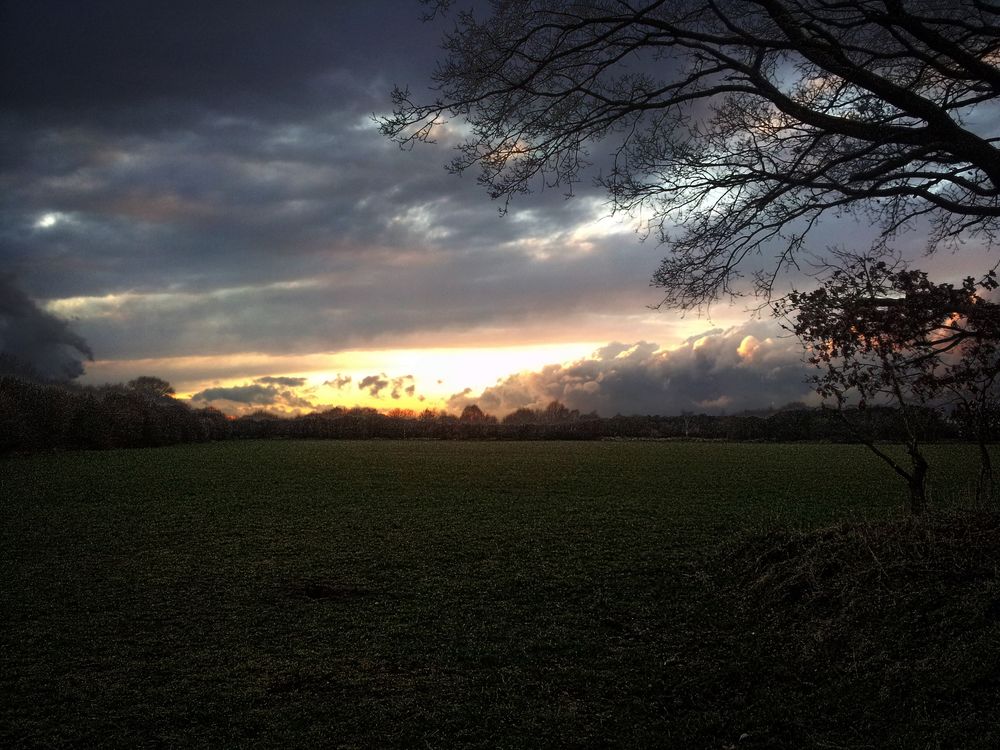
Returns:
(200, 190)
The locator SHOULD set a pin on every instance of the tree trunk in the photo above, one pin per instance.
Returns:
(984, 484)
(917, 481)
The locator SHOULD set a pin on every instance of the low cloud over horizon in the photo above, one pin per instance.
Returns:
(269, 390)
(744, 367)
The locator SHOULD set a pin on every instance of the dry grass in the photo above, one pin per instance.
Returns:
(883, 634)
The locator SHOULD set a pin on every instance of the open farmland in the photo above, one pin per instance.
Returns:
(473, 594)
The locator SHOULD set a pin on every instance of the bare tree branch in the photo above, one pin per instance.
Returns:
(732, 125)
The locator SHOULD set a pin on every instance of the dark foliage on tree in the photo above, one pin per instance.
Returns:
(151, 387)
(40, 416)
(732, 126)
(883, 333)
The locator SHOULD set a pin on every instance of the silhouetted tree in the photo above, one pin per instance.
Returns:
(884, 333)
(556, 412)
(737, 122)
(520, 416)
(152, 387)
(472, 414)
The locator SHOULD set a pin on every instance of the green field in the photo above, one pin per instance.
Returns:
(455, 594)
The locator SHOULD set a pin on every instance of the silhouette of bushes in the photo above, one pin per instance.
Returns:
(38, 416)
(143, 413)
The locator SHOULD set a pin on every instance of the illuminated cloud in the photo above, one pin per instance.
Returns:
(743, 367)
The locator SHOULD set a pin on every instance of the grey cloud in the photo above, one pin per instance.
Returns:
(240, 179)
(374, 384)
(253, 393)
(744, 367)
(219, 213)
(396, 386)
(340, 382)
(32, 337)
(232, 203)
(63, 57)
(401, 385)
(378, 303)
(281, 380)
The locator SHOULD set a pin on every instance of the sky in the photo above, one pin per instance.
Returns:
(198, 191)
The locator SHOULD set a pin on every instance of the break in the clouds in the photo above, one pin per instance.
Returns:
(743, 367)
(35, 341)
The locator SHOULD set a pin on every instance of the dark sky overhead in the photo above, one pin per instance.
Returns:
(200, 189)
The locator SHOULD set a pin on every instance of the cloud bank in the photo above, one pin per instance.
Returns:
(720, 371)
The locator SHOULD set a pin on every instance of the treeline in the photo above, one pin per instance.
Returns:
(38, 416)
(143, 412)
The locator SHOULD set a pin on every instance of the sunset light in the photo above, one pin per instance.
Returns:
(464, 374)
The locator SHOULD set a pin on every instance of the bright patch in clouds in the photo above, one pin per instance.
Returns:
(383, 379)
(49, 220)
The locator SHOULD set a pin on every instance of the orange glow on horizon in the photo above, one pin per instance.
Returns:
(435, 374)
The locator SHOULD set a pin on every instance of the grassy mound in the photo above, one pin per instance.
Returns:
(874, 635)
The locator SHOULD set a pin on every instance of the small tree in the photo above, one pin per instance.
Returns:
(880, 333)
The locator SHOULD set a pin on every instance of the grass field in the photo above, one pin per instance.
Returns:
(472, 594)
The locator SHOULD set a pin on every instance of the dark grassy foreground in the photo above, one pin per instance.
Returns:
(391, 594)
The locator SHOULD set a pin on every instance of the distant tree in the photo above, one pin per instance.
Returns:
(11, 364)
(732, 126)
(883, 333)
(152, 387)
(216, 425)
(472, 414)
(523, 415)
(401, 414)
(556, 412)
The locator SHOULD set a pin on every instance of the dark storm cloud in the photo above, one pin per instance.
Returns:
(744, 367)
(243, 203)
(440, 292)
(208, 175)
(125, 60)
(281, 380)
(188, 165)
(35, 339)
